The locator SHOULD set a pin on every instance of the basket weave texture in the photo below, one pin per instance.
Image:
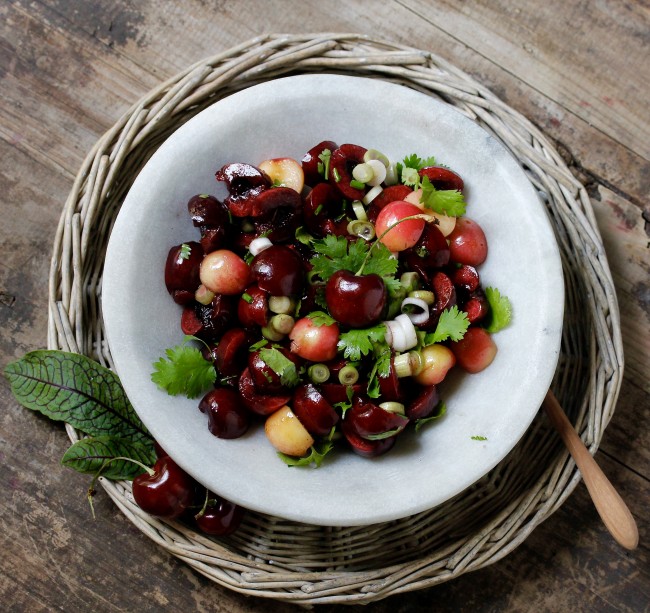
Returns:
(280, 559)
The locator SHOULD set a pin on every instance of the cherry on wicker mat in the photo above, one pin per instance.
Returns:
(165, 492)
(220, 517)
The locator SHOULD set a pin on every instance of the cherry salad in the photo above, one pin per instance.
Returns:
(331, 297)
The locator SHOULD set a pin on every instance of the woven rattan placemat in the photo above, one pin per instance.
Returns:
(285, 560)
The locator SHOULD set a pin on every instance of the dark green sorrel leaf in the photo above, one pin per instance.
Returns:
(77, 390)
(90, 454)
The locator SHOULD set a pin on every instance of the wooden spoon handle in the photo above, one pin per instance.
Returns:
(610, 506)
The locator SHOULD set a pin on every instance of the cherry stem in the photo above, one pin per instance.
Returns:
(98, 474)
(386, 231)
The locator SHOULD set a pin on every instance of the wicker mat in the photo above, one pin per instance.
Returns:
(281, 559)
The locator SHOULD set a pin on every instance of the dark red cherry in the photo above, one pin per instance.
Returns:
(430, 252)
(390, 387)
(322, 207)
(256, 401)
(166, 493)
(215, 318)
(220, 518)
(445, 294)
(310, 161)
(207, 211)
(476, 306)
(372, 421)
(244, 183)
(253, 307)
(466, 277)
(266, 380)
(241, 178)
(275, 213)
(232, 351)
(279, 270)
(227, 417)
(423, 403)
(355, 301)
(443, 178)
(364, 447)
(313, 410)
(182, 271)
(342, 162)
(337, 392)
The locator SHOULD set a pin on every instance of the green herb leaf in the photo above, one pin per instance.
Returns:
(444, 201)
(440, 410)
(320, 318)
(186, 250)
(476, 437)
(452, 325)
(416, 162)
(90, 455)
(361, 341)
(281, 366)
(74, 389)
(324, 164)
(338, 253)
(500, 310)
(381, 368)
(316, 455)
(185, 371)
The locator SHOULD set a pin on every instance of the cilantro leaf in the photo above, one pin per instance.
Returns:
(440, 410)
(185, 371)
(381, 368)
(361, 341)
(452, 325)
(281, 366)
(500, 310)
(320, 318)
(338, 253)
(444, 201)
(186, 251)
(316, 456)
(418, 163)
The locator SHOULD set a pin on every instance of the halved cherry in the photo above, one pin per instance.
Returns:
(266, 380)
(313, 410)
(241, 178)
(424, 402)
(253, 399)
(310, 161)
(253, 307)
(364, 447)
(476, 306)
(443, 178)
(337, 392)
(231, 352)
(214, 319)
(389, 386)
(373, 422)
(430, 252)
(445, 294)
(322, 206)
(275, 213)
(342, 162)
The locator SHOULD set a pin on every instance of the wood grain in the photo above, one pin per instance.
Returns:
(69, 69)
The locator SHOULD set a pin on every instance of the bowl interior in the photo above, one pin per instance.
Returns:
(286, 117)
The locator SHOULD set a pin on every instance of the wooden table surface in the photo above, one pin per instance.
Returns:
(69, 68)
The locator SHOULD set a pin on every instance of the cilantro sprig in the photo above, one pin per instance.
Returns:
(281, 365)
(449, 202)
(336, 253)
(452, 325)
(500, 310)
(184, 371)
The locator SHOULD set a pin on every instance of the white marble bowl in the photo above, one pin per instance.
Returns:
(286, 117)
